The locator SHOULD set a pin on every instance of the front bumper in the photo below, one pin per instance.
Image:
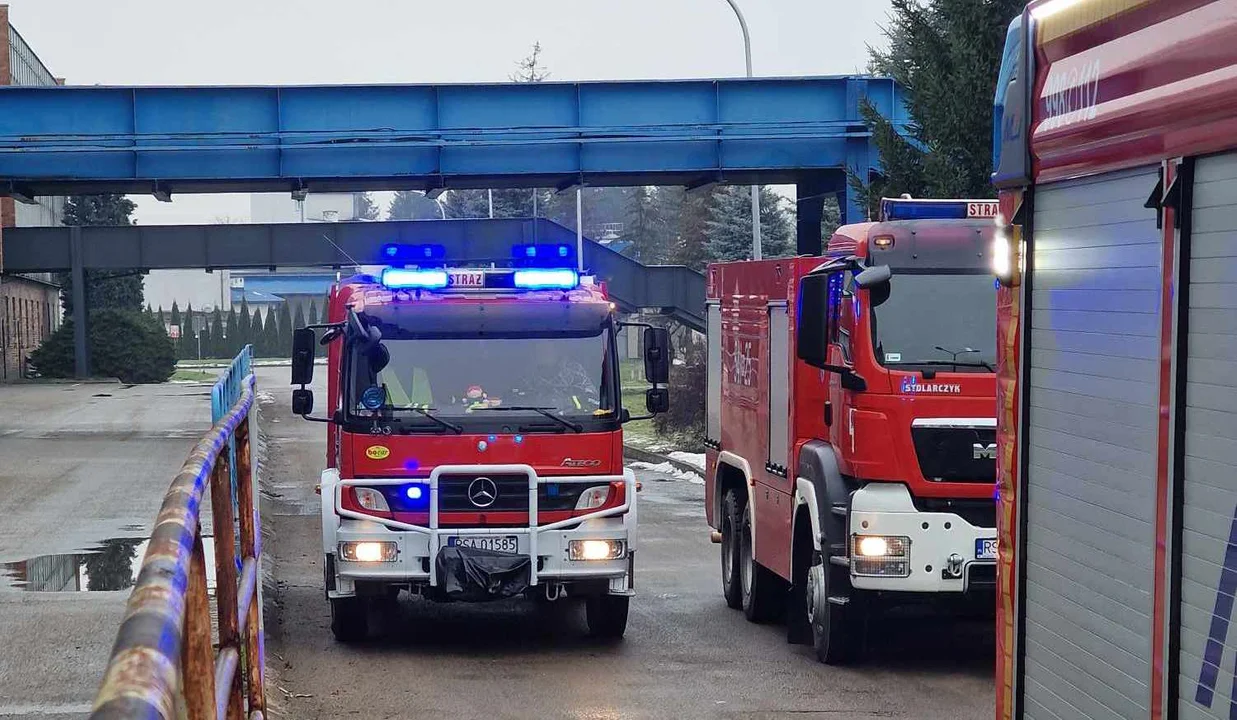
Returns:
(887, 509)
(418, 546)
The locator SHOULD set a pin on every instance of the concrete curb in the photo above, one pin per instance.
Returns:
(641, 455)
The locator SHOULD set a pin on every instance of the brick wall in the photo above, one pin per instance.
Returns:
(26, 309)
(6, 68)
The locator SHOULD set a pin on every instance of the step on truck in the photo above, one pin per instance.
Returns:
(851, 423)
(474, 435)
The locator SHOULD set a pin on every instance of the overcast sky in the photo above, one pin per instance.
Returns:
(282, 42)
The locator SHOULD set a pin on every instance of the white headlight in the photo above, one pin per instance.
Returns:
(1002, 255)
(595, 549)
(873, 546)
(368, 551)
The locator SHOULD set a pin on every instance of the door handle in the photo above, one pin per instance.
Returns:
(828, 413)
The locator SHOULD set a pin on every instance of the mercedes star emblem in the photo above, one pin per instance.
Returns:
(482, 492)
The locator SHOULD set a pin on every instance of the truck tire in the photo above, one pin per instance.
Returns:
(762, 592)
(607, 616)
(349, 619)
(732, 587)
(837, 629)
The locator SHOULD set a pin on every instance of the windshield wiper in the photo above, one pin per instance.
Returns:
(429, 414)
(937, 363)
(546, 412)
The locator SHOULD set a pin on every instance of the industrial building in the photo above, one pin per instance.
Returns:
(29, 302)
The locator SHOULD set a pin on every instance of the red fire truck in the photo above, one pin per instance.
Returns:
(851, 426)
(475, 444)
(1116, 160)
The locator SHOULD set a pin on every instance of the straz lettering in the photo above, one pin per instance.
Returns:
(742, 364)
(910, 386)
(982, 209)
(1071, 97)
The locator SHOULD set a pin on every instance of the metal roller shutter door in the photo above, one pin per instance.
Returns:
(1208, 550)
(1090, 484)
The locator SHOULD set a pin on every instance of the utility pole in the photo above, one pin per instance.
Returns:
(747, 54)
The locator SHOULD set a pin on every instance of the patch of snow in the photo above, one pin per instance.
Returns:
(670, 470)
(696, 460)
(265, 398)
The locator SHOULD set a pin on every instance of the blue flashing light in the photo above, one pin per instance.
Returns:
(546, 279)
(519, 439)
(415, 492)
(412, 465)
(902, 209)
(415, 254)
(547, 256)
(412, 278)
(493, 438)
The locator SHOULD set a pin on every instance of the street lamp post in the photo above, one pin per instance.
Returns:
(747, 54)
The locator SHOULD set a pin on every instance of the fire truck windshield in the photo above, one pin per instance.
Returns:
(471, 379)
(942, 320)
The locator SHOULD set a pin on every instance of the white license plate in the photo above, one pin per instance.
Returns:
(466, 279)
(497, 543)
(985, 549)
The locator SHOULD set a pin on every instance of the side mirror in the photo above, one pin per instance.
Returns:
(810, 341)
(303, 341)
(302, 401)
(873, 276)
(657, 356)
(657, 400)
(876, 281)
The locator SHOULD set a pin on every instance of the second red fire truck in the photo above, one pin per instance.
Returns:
(851, 423)
(475, 444)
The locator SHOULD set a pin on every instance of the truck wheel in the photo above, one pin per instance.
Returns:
(836, 629)
(732, 586)
(607, 616)
(759, 587)
(349, 619)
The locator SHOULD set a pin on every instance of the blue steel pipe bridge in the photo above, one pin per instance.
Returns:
(166, 140)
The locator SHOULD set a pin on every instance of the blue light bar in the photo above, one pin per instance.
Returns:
(410, 278)
(547, 279)
(910, 209)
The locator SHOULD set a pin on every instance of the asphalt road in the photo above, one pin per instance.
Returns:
(685, 655)
(82, 467)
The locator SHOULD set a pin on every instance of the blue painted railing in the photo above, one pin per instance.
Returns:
(227, 391)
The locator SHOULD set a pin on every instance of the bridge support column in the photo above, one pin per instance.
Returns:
(81, 350)
(810, 209)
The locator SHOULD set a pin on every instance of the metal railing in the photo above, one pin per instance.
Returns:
(164, 662)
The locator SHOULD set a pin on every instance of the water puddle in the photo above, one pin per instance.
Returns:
(112, 565)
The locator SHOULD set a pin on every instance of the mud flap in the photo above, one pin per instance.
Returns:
(475, 575)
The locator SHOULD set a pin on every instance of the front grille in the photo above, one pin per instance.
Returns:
(949, 454)
(510, 493)
(980, 513)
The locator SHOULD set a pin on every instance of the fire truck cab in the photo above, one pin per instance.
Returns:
(475, 435)
(851, 425)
